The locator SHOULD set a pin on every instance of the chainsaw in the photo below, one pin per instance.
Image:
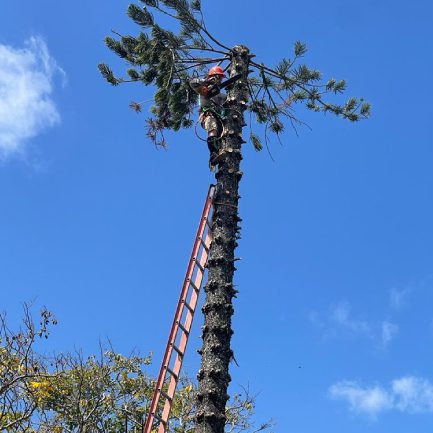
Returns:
(216, 88)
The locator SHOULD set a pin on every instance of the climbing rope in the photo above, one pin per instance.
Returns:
(218, 117)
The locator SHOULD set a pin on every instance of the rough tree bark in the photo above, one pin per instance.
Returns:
(216, 352)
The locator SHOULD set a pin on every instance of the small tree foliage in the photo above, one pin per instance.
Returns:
(73, 393)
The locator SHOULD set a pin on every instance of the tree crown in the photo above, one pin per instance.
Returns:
(169, 59)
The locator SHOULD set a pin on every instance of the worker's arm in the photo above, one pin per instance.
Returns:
(197, 84)
(203, 87)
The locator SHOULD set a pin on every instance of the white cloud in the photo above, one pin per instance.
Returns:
(397, 298)
(340, 314)
(26, 86)
(389, 330)
(408, 394)
(369, 400)
(341, 321)
(414, 394)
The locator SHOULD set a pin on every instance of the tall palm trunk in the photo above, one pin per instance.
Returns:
(216, 352)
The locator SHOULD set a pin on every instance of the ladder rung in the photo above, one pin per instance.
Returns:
(203, 243)
(198, 264)
(176, 376)
(188, 306)
(183, 328)
(159, 419)
(208, 226)
(165, 395)
(194, 286)
(180, 353)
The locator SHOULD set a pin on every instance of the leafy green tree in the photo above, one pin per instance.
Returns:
(20, 366)
(71, 393)
(111, 393)
(168, 58)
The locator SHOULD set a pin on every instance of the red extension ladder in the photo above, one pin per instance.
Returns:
(181, 327)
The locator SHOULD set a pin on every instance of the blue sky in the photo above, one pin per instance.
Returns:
(337, 274)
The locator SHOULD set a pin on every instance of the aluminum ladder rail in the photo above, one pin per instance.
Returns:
(182, 322)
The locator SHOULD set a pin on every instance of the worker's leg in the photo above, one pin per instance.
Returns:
(213, 127)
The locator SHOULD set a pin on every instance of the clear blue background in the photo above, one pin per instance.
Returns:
(101, 230)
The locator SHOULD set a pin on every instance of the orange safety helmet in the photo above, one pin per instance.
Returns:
(216, 70)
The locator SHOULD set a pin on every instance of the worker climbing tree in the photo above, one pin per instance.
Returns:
(212, 102)
(172, 61)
